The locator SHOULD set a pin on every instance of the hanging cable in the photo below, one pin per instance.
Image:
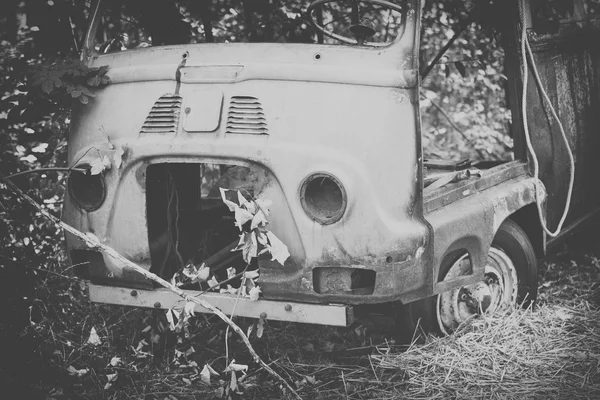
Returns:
(525, 53)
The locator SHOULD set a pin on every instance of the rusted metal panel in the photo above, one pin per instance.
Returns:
(330, 314)
(450, 193)
(470, 225)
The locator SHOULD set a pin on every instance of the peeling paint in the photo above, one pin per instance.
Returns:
(420, 251)
(500, 212)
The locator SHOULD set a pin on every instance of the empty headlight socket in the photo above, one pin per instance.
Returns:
(87, 191)
(323, 198)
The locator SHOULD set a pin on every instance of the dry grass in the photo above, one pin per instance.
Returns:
(552, 353)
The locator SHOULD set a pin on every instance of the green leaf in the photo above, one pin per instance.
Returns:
(57, 82)
(94, 81)
(75, 93)
(47, 86)
(86, 91)
(84, 99)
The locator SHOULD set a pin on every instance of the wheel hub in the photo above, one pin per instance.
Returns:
(496, 292)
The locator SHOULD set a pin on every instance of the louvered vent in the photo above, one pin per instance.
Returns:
(164, 116)
(246, 116)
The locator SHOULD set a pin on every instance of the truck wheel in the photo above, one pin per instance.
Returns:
(510, 280)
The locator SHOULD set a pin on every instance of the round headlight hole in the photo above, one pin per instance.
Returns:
(323, 198)
(87, 191)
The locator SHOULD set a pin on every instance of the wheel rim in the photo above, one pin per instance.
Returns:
(497, 292)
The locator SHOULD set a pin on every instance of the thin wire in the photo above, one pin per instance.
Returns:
(525, 52)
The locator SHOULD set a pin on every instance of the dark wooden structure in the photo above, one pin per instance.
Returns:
(566, 48)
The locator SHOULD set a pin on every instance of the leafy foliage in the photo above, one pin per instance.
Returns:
(72, 79)
(464, 98)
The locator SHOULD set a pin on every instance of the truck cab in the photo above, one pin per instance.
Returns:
(325, 124)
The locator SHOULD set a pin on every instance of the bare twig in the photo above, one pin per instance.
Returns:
(42, 170)
(90, 241)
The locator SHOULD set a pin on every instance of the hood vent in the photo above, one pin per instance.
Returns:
(164, 116)
(246, 116)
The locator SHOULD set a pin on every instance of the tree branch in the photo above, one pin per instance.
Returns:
(114, 254)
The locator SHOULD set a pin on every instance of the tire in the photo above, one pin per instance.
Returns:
(431, 315)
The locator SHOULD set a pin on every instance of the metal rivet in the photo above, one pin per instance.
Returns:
(288, 307)
(134, 293)
(157, 305)
(263, 315)
(389, 259)
(317, 56)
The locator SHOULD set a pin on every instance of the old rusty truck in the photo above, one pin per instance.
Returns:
(328, 128)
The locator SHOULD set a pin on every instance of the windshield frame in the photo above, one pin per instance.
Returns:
(408, 38)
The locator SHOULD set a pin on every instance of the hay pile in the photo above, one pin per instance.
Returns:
(552, 352)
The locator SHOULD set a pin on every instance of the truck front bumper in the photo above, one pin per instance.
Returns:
(321, 314)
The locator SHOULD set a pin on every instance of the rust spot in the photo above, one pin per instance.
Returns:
(140, 176)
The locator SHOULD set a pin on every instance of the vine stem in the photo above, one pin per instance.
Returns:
(90, 241)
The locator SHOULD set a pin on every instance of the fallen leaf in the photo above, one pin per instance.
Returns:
(233, 366)
(260, 328)
(206, 373)
(233, 383)
(112, 377)
(106, 162)
(230, 204)
(115, 361)
(96, 166)
(262, 238)
(78, 372)
(252, 274)
(141, 345)
(254, 293)
(241, 199)
(241, 242)
(230, 272)
(172, 315)
(196, 273)
(214, 284)
(94, 339)
(189, 309)
(279, 251)
(258, 221)
(186, 381)
(250, 249)
(241, 217)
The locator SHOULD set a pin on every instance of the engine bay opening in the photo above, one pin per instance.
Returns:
(188, 221)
